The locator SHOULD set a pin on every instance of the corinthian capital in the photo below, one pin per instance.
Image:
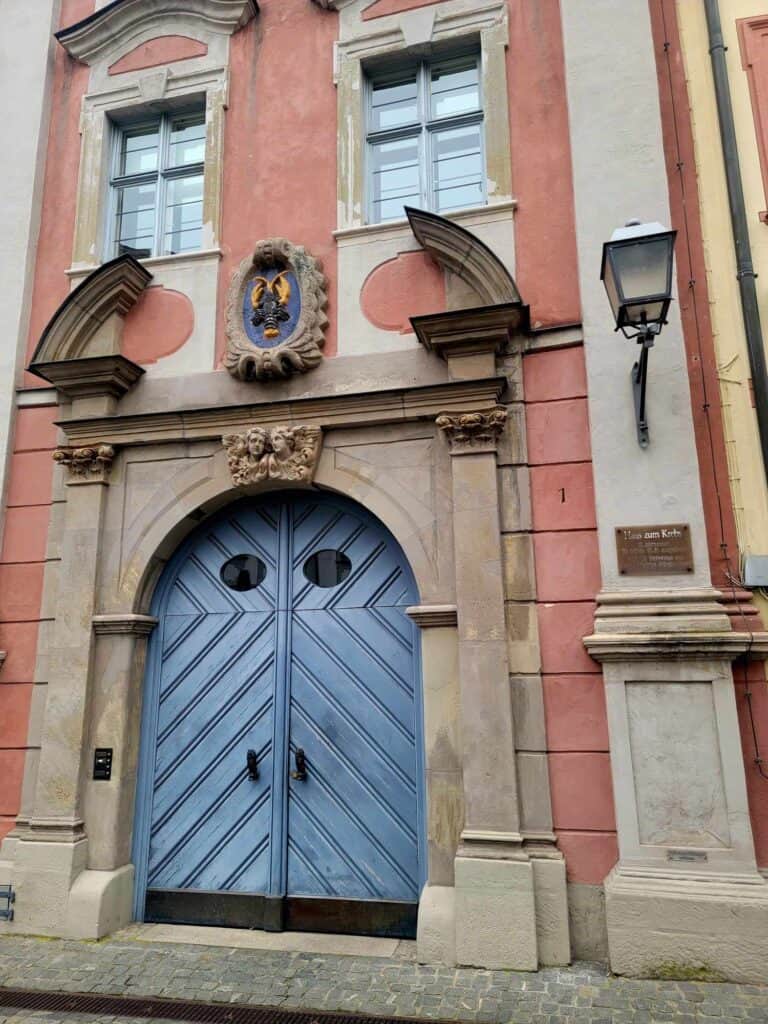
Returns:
(473, 432)
(89, 465)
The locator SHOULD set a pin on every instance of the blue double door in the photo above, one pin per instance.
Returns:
(279, 783)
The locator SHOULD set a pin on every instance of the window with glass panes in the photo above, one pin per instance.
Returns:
(157, 186)
(425, 138)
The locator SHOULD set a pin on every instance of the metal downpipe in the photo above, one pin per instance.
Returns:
(745, 272)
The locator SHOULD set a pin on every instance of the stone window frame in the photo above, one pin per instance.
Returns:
(153, 91)
(487, 27)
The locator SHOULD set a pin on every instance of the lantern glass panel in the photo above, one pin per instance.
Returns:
(638, 314)
(614, 295)
(642, 271)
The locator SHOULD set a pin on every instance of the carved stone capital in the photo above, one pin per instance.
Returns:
(282, 453)
(89, 465)
(470, 433)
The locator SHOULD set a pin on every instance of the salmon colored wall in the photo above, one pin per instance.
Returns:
(280, 141)
(567, 581)
(705, 389)
(27, 512)
(546, 268)
(57, 224)
(22, 561)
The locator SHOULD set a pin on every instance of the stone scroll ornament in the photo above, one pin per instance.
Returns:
(276, 313)
(273, 453)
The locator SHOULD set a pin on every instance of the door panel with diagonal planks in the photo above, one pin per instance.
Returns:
(352, 824)
(211, 824)
(293, 662)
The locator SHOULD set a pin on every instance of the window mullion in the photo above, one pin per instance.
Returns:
(162, 158)
(110, 235)
(424, 154)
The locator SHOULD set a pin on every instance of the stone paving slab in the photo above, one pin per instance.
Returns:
(582, 994)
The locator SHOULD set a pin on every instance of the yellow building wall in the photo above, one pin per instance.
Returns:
(748, 481)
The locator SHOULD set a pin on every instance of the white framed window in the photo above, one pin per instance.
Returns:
(425, 139)
(156, 185)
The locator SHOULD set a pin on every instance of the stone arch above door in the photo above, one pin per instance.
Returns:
(163, 500)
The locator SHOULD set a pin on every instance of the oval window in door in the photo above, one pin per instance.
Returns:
(327, 568)
(243, 572)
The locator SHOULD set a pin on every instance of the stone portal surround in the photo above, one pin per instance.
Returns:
(89, 882)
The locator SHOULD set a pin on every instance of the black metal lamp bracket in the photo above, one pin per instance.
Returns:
(639, 378)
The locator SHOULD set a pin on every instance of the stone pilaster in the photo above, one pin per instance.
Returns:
(495, 919)
(52, 851)
(120, 654)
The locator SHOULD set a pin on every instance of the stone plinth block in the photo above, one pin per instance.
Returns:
(675, 927)
(552, 930)
(436, 934)
(495, 914)
(42, 876)
(100, 902)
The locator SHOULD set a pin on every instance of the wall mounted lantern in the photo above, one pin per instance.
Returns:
(637, 274)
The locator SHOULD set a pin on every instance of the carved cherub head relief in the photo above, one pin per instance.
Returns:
(273, 453)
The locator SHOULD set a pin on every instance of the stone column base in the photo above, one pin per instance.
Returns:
(100, 902)
(553, 936)
(56, 895)
(495, 914)
(501, 914)
(436, 934)
(688, 927)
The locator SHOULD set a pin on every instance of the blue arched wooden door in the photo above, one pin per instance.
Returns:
(280, 768)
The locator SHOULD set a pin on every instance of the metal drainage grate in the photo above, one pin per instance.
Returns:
(171, 1009)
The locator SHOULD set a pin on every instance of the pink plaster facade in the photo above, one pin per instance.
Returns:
(280, 179)
(22, 563)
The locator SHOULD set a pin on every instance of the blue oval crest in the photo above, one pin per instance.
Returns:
(271, 306)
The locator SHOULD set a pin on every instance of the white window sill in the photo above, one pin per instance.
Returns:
(471, 215)
(178, 260)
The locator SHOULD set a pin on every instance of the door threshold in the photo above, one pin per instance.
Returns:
(289, 942)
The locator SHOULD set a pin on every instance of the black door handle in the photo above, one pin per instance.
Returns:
(301, 766)
(252, 763)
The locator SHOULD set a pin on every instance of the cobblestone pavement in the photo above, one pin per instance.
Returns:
(583, 994)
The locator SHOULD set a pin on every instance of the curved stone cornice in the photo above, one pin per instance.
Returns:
(461, 252)
(112, 288)
(121, 21)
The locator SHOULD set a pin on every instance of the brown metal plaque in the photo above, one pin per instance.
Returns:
(654, 550)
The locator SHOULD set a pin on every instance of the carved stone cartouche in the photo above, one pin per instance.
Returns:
(275, 313)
